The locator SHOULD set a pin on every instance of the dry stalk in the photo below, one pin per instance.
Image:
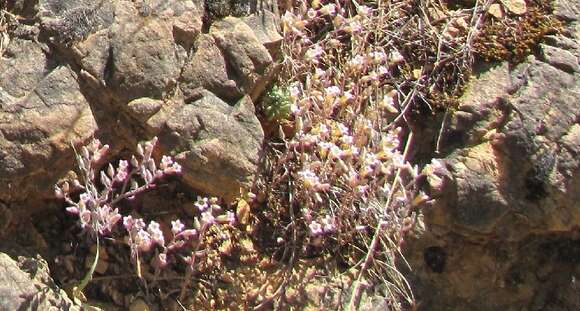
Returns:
(373, 247)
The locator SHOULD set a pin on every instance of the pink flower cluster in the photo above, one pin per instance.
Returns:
(96, 203)
(347, 151)
(144, 238)
(325, 226)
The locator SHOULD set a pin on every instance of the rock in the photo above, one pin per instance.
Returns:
(496, 11)
(207, 70)
(143, 108)
(19, 70)
(247, 57)
(567, 10)
(94, 55)
(41, 114)
(73, 21)
(188, 25)
(144, 61)
(31, 289)
(217, 145)
(139, 305)
(517, 7)
(559, 58)
(506, 204)
(217, 9)
(265, 26)
(6, 218)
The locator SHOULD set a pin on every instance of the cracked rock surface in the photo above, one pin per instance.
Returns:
(129, 70)
(503, 228)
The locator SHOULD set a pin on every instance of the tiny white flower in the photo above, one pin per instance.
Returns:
(332, 91)
(177, 226)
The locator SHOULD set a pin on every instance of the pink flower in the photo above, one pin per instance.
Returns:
(207, 218)
(177, 227)
(201, 204)
(128, 222)
(309, 178)
(329, 9)
(143, 241)
(166, 162)
(314, 53)
(328, 224)
(155, 232)
(122, 171)
(332, 91)
(175, 168)
(139, 224)
(231, 218)
(84, 197)
(315, 228)
(85, 217)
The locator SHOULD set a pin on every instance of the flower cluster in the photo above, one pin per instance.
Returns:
(353, 81)
(348, 145)
(96, 203)
(325, 226)
(144, 238)
(148, 242)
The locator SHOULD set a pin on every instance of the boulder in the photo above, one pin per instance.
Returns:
(144, 61)
(42, 112)
(218, 145)
(250, 61)
(266, 28)
(207, 70)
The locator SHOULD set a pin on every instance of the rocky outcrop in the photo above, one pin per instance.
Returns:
(129, 70)
(502, 230)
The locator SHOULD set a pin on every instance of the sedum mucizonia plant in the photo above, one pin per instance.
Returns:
(99, 192)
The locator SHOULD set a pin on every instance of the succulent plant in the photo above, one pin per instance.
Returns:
(276, 104)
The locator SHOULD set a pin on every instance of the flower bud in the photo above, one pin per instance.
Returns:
(101, 153)
(65, 187)
(110, 171)
(151, 165)
(139, 150)
(187, 234)
(134, 161)
(106, 181)
(58, 193)
(73, 210)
